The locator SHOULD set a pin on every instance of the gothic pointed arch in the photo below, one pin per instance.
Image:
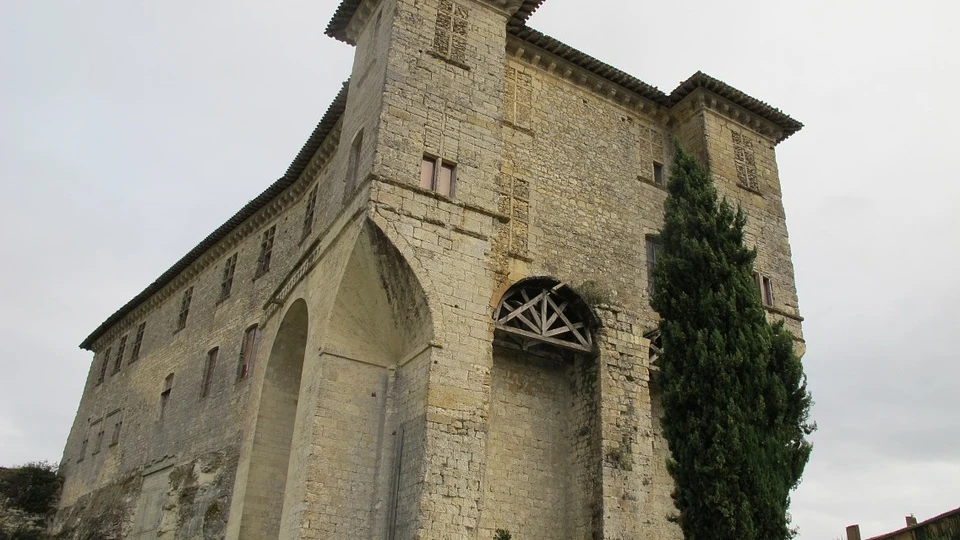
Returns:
(544, 313)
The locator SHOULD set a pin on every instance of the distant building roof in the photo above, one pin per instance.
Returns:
(955, 513)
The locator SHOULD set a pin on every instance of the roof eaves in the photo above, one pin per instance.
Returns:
(296, 168)
(724, 90)
(337, 27)
(934, 519)
(589, 63)
(523, 14)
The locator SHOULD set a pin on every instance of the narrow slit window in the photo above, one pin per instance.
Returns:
(138, 343)
(165, 395)
(266, 251)
(184, 309)
(103, 365)
(98, 440)
(208, 371)
(653, 254)
(309, 214)
(767, 291)
(353, 165)
(764, 288)
(248, 352)
(118, 362)
(226, 284)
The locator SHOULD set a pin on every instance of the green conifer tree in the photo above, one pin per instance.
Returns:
(735, 401)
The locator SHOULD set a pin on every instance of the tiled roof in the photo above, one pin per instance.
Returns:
(955, 514)
(337, 27)
(296, 168)
(724, 90)
(591, 64)
(788, 125)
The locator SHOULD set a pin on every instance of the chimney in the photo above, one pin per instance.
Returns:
(911, 521)
(853, 532)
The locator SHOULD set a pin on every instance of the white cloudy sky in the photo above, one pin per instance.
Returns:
(130, 129)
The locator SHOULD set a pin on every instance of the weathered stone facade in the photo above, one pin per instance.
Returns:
(336, 369)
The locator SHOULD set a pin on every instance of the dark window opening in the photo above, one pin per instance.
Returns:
(226, 284)
(658, 174)
(119, 360)
(266, 251)
(208, 370)
(184, 309)
(138, 342)
(248, 352)
(103, 365)
(165, 395)
(311, 210)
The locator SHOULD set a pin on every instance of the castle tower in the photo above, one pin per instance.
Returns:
(436, 324)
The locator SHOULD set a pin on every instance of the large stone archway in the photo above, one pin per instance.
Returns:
(543, 446)
(273, 435)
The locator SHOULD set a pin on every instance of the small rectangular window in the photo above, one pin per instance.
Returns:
(165, 395)
(208, 370)
(658, 174)
(266, 251)
(438, 175)
(248, 352)
(118, 362)
(104, 362)
(138, 342)
(184, 309)
(764, 288)
(309, 214)
(226, 283)
(653, 254)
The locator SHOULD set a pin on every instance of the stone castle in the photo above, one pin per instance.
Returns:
(436, 323)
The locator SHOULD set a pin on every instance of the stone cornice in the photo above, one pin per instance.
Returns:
(352, 14)
(604, 79)
(544, 52)
(702, 99)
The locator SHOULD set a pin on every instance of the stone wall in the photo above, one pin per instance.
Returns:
(378, 404)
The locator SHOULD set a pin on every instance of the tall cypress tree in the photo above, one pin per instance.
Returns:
(735, 402)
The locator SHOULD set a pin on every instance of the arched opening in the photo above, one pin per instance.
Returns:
(273, 434)
(544, 407)
(362, 419)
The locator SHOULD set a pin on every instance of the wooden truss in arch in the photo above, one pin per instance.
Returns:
(538, 315)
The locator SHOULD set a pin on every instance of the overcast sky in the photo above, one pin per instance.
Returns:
(131, 129)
